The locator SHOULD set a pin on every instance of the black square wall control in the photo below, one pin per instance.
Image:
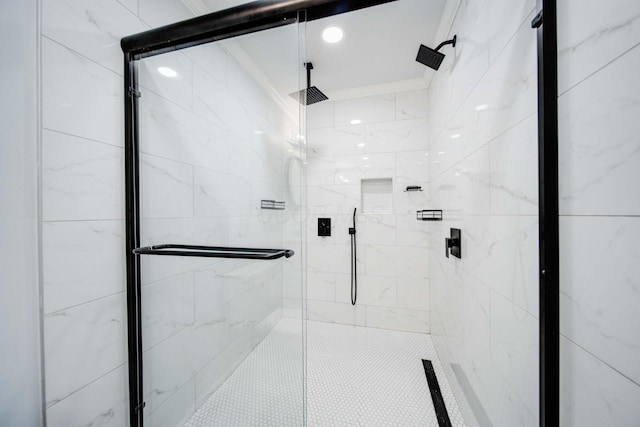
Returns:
(324, 227)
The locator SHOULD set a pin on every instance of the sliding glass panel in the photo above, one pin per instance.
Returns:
(219, 136)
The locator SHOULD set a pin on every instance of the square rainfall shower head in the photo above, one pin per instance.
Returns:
(429, 57)
(309, 96)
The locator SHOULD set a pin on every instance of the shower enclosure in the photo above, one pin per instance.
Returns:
(216, 218)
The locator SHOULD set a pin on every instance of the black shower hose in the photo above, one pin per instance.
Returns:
(354, 272)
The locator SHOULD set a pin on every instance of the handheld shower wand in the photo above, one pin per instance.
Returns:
(354, 271)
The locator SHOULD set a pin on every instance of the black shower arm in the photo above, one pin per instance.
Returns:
(452, 42)
(309, 67)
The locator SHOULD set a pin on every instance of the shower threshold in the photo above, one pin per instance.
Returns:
(356, 376)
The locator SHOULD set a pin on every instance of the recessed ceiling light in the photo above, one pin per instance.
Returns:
(356, 121)
(258, 132)
(332, 35)
(365, 158)
(361, 144)
(167, 72)
(482, 107)
(440, 152)
(456, 135)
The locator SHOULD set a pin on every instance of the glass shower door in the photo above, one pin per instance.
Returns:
(220, 144)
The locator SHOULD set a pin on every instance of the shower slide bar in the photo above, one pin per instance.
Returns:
(213, 251)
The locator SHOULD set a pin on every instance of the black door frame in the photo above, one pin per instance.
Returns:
(546, 26)
(261, 15)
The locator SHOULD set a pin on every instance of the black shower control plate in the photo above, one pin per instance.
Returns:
(324, 227)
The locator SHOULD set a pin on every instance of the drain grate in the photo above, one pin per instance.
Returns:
(436, 395)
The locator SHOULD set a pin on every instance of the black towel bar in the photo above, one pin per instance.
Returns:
(213, 251)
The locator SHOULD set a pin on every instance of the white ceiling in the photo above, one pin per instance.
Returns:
(379, 46)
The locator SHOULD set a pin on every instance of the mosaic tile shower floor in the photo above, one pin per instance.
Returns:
(356, 377)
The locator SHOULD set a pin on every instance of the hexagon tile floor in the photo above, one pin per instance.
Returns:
(356, 376)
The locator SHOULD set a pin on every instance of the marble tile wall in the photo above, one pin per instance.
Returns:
(599, 103)
(203, 173)
(389, 141)
(483, 174)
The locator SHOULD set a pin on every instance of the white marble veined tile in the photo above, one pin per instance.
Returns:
(80, 97)
(204, 144)
(448, 148)
(411, 232)
(333, 199)
(599, 152)
(377, 290)
(397, 319)
(502, 251)
(211, 58)
(177, 408)
(508, 90)
(103, 402)
(161, 126)
(167, 366)
(376, 229)
(514, 169)
(166, 189)
(333, 258)
(400, 261)
(446, 193)
(209, 378)
(214, 102)
(514, 348)
(209, 336)
(132, 5)
(321, 171)
(408, 202)
(351, 169)
(370, 109)
(413, 104)
(82, 179)
(220, 194)
(82, 261)
(474, 173)
(407, 135)
(216, 285)
(591, 393)
(343, 286)
(412, 293)
(343, 140)
(176, 88)
(321, 286)
(334, 312)
(504, 18)
(241, 83)
(167, 307)
(157, 13)
(92, 28)
(320, 115)
(412, 166)
(503, 406)
(252, 231)
(600, 288)
(82, 344)
(592, 36)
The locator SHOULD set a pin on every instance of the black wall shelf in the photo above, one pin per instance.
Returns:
(429, 215)
(272, 204)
